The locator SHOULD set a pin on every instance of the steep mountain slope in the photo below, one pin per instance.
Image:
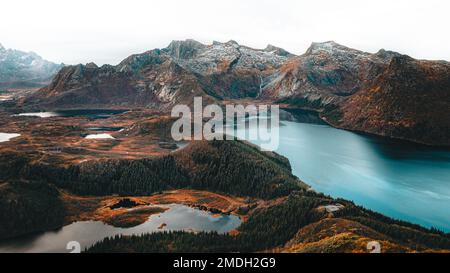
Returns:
(162, 78)
(28, 207)
(385, 93)
(410, 100)
(228, 70)
(327, 73)
(150, 79)
(24, 69)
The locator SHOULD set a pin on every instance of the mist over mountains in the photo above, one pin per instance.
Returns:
(24, 69)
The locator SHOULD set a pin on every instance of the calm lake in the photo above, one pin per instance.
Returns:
(89, 113)
(399, 179)
(7, 136)
(178, 217)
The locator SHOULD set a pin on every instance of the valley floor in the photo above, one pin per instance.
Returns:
(53, 176)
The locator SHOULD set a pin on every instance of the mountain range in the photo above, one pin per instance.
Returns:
(385, 93)
(54, 174)
(19, 69)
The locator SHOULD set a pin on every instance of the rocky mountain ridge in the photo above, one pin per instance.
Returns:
(338, 82)
(24, 69)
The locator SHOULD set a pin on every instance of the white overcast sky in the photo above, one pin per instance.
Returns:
(107, 31)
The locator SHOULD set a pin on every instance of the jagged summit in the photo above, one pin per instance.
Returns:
(19, 68)
(189, 48)
(184, 49)
(278, 50)
(232, 42)
(331, 78)
(330, 47)
(340, 51)
(163, 77)
(91, 65)
(220, 57)
(323, 45)
(387, 54)
(330, 43)
(186, 42)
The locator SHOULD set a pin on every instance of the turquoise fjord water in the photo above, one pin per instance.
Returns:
(402, 180)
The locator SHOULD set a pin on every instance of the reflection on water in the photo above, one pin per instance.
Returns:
(99, 136)
(402, 180)
(6, 137)
(89, 113)
(39, 114)
(178, 217)
(105, 129)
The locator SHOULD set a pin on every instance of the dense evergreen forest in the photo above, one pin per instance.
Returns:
(230, 167)
(233, 167)
(273, 227)
(29, 207)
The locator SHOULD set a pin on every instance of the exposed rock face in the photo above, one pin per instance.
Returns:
(385, 93)
(410, 100)
(22, 69)
(151, 79)
(162, 78)
(228, 70)
(184, 49)
(222, 57)
(326, 73)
